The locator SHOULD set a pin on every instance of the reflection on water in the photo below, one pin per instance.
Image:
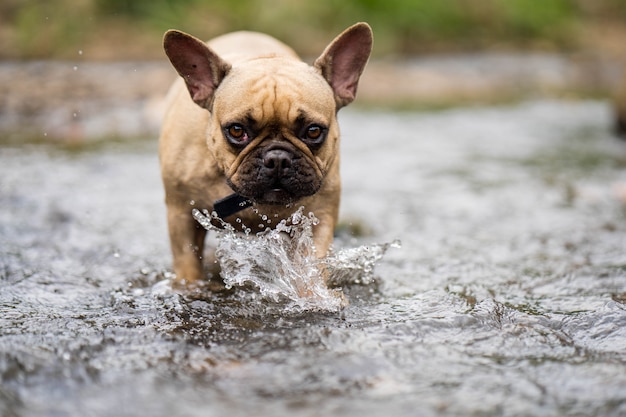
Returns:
(506, 297)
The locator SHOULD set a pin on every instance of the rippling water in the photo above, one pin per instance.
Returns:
(507, 296)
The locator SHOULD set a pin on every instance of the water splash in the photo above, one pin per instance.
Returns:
(356, 265)
(282, 265)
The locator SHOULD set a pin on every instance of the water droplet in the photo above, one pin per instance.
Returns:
(75, 67)
(192, 202)
(80, 52)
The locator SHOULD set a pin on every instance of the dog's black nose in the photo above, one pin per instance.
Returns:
(277, 161)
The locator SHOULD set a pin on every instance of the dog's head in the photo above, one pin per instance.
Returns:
(273, 128)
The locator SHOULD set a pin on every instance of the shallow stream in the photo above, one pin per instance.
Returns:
(507, 295)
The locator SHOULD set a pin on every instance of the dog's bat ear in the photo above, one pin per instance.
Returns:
(343, 61)
(201, 68)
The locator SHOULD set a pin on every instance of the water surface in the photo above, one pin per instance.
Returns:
(507, 296)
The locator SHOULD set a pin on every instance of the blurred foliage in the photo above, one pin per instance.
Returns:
(133, 28)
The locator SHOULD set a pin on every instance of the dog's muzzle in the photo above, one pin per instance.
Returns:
(276, 174)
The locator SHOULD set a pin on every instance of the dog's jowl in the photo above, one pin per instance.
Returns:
(249, 121)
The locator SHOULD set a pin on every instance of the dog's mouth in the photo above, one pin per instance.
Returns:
(275, 196)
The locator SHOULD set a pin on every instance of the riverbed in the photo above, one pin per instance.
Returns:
(505, 295)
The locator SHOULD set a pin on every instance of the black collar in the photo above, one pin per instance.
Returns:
(230, 205)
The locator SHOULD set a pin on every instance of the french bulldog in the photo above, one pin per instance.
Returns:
(250, 126)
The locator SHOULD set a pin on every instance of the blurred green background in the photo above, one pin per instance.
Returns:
(132, 29)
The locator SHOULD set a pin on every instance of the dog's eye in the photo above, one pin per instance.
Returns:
(236, 134)
(314, 134)
(236, 131)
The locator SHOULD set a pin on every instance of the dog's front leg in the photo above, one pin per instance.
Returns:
(323, 238)
(187, 243)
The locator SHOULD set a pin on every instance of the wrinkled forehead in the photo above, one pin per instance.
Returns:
(274, 88)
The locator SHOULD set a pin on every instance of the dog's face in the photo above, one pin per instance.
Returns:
(273, 129)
